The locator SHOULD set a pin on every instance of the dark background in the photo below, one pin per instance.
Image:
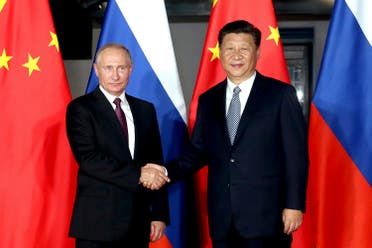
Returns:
(74, 19)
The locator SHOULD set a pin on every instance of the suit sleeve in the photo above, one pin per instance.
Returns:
(294, 141)
(159, 198)
(196, 156)
(89, 154)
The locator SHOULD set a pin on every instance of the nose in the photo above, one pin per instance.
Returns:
(237, 54)
(115, 74)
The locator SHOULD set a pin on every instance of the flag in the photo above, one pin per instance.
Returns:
(142, 26)
(37, 169)
(339, 199)
(271, 63)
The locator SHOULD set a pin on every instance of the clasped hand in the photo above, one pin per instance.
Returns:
(153, 176)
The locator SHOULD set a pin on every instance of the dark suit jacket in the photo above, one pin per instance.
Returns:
(263, 172)
(110, 204)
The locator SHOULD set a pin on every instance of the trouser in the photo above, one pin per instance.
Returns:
(235, 240)
(82, 243)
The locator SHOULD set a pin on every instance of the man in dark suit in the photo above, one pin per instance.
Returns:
(112, 208)
(257, 163)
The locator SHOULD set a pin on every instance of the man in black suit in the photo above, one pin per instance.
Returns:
(257, 169)
(112, 208)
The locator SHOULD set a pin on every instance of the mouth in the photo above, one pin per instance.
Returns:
(237, 66)
(116, 83)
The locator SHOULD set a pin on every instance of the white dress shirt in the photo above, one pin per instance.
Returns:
(245, 87)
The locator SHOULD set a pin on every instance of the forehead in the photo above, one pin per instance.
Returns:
(111, 55)
(237, 37)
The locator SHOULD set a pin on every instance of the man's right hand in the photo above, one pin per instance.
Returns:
(153, 176)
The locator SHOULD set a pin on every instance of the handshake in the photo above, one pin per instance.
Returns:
(153, 176)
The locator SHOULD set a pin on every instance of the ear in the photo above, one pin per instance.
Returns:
(258, 53)
(95, 66)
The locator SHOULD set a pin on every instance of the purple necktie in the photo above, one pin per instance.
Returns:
(120, 114)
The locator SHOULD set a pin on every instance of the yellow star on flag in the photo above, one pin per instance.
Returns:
(2, 4)
(54, 41)
(214, 2)
(215, 51)
(274, 35)
(4, 60)
(32, 64)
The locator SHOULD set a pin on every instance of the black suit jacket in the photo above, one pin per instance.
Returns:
(263, 172)
(110, 204)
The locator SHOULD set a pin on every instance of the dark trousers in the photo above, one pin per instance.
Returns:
(234, 240)
(82, 243)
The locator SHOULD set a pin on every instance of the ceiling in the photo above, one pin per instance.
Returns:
(201, 8)
(298, 7)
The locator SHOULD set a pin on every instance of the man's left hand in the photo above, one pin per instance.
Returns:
(157, 230)
(292, 220)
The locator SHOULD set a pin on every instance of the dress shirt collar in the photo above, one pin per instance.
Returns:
(245, 86)
(111, 98)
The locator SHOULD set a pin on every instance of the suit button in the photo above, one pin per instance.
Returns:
(232, 160)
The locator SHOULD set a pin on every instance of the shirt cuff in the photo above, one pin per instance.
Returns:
(165, 171)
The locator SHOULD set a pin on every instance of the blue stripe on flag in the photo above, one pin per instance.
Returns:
(347, 70)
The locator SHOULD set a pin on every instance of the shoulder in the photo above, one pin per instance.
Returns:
(215, 90)
(81, 100)
(135, 100)
(273, 84)
(90, 102)
(137, 103)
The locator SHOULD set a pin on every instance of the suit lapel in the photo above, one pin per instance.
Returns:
(108, 115)
(255, 95)
(105, 108)
(220, 106)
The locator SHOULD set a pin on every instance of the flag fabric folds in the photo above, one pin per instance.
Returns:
(339, 199)
(37, 169)
(271, 63)
(142, 26)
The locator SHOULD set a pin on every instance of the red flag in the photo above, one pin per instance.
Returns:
(37, 170)
(271, 63)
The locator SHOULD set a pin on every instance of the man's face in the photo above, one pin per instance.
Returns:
(113, 68)
(238, 56)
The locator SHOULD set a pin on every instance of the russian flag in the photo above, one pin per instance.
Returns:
(339, 212)
(142, 26)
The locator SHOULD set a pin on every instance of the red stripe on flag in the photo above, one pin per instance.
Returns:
(339, 200)
(163, 242)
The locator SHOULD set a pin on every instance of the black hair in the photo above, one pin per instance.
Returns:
(240, 26)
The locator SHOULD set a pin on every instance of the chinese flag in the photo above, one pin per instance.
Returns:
(271, 63)
(37, 170)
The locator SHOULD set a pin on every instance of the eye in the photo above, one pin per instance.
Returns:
(122, 69)
(228, 50)
(108, 68)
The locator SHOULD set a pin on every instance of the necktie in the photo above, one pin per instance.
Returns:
(233, 114)
(120, 114)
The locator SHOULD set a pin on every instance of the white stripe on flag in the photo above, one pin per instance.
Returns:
(362, 12)
(156, 43)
